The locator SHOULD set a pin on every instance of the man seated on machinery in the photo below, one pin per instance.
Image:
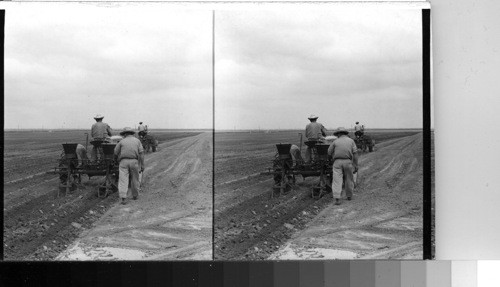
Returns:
(314, 132)
(359, 130)
(142, 130)
(297, 155)
(99, 132)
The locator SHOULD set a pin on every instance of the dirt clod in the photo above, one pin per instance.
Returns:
(76, 225)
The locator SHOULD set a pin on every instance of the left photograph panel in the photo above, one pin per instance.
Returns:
(108, 132)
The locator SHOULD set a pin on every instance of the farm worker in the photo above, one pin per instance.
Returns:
(142, 130)
(99, 132)
(81, 154)
(130, 154)
(345, 163)
(296, 156)
(314, 131)
(358, 130)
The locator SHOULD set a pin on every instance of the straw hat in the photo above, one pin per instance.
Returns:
(312, 117)
(340, 130)
(98, 116)
(127, 130)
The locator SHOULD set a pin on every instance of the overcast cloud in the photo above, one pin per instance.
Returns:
(275, 68)
(65, 63)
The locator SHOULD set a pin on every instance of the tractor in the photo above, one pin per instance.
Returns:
(149, 142)
(364, 142)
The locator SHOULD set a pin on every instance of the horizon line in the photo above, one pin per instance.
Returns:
(81, 129)
(247, 129)
(328, 130)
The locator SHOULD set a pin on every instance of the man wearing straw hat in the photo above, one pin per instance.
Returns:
(314, 131)
(99, 132)
(358, 130)
(345, 163)
(130, 154)
(142, 130)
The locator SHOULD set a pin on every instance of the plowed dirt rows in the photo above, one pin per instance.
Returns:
(39, 226)
(171, 220)
(384, 220)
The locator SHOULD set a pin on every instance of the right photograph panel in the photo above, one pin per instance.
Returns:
(319, 136)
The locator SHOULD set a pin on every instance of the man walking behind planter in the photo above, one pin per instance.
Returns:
(345, 162)
(130, 154)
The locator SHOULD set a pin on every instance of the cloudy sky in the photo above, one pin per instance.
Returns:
(65, 63)
(275, 68)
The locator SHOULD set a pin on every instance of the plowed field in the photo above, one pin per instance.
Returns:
(176, 190)
(384, 219)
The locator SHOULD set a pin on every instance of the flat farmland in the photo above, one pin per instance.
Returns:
(29, 153)
(38, 225)
(384, 220)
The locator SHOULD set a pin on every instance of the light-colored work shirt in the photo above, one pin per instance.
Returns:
(357, 127)
(141, 128)
(295, 152)
(81, 152)
(342, 148)
(314, 130)
(100, 130)
(129, 147)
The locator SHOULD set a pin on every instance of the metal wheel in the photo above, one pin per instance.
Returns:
(67, 180)
(282, 179)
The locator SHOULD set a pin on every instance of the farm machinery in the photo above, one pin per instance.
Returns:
(364, 142)
(286, 167)
(71, 168)
(149, 142)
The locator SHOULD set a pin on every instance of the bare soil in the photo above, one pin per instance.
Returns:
(384, 220)
(39, 226)
(171, 220)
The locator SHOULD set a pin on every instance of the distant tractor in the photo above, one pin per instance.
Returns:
(149, 142)
(364, 142)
